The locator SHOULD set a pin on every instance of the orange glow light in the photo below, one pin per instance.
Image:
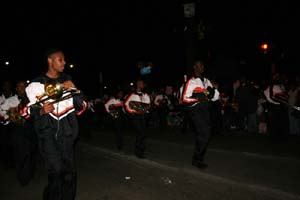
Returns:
(264, 46)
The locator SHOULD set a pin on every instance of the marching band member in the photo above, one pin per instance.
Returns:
(114, 107)
(137, 105)
(7, 100)
(162, 105)
(56, 125)
(23, 137)
(196, 95)
(277, 98)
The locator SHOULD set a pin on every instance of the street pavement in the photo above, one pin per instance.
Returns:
(240, 166)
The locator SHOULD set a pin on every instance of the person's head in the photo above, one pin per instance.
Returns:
(55, 60)
(236, 83)
(198, 67)
(20, 88)
(120, 94)
(7, 88)
(140, 85)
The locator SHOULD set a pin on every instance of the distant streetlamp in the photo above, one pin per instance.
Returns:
(264, 47)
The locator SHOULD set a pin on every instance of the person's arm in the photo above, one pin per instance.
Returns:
(108, 104)
(214, 91)
(33, 109)
(79, 103)
(126, 104)
(188, 92)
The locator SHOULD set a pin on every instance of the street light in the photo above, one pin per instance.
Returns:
(264, 47)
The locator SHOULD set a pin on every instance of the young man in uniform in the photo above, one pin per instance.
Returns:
(197, 94)
(56, 125)
(137, 106)
(114, 107)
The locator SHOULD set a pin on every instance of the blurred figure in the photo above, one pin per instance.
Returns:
(294, 115)
(277, 98)
(216, 113)
(137, 106)
(161, 105)
(114, 107)
(6, 100)
(24, 138)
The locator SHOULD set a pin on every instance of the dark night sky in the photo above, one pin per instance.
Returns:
(112, 36)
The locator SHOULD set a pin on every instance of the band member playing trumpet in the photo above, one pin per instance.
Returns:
(137, 105)
(56, 126)
(114, 107)
(197, 93)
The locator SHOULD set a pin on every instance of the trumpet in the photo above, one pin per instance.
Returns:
(57, 93)
(14, 115)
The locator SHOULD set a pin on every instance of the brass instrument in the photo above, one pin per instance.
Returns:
(56, 92)
(115, 112)
(202, 96)
(14, 115)
(140, 107)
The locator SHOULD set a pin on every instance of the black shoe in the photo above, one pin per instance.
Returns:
(199, 164)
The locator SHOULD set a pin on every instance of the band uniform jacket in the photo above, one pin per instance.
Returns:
(193, 85)
(63, 117)
(138, 97)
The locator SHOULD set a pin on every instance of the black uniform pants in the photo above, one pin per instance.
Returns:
(58, 154)
(25, 152)
(6, 146)
(278, 121)
(139, 124)
(200, 120)
(119, 125)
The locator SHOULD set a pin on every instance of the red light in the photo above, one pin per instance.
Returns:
(264, 46)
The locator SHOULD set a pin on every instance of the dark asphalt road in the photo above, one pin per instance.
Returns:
(167, 173)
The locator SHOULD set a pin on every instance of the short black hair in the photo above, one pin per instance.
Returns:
(51, 51)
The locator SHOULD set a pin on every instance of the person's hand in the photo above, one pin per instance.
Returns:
(68, 84)
(47, 108)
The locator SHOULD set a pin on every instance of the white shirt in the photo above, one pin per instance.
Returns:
(139, 97)
(277, 89)
(113, 101)
(195, 84)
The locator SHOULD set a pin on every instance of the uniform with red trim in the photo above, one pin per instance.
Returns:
(114, 107)
(65, 111)
(198, 90)
(6, 106)
(278, 107)
(137, 105)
